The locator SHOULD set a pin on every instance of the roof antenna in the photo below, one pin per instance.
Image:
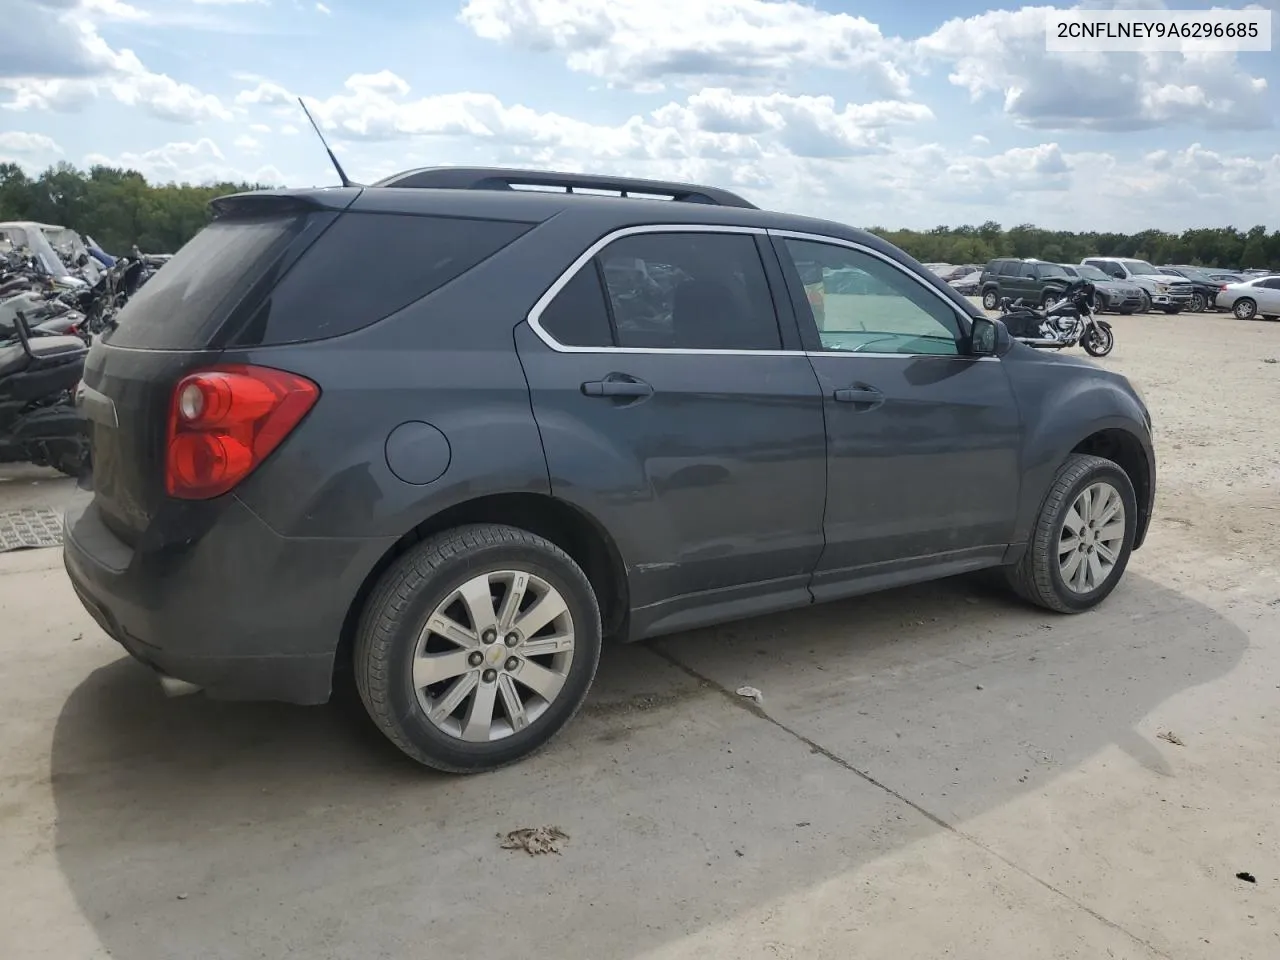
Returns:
(342, 174)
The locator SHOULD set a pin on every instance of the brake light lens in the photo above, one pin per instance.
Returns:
(225, 420)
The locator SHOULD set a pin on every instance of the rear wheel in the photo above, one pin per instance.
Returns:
(1082, 539)
(1245, 309)
(477, 647)
(990, 299)
(1198, 303)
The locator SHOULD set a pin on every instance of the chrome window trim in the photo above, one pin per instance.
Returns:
(553, 291)
(571, 271)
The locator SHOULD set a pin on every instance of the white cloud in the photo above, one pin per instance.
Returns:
(246, 143)
(321, 8)
(649, 44)
(29, 150)
(199, 161)
(113, 9)
(1002, 54)
(67, 67)
(715, 122)
(259, 128)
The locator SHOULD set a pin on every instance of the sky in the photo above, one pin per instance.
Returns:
(889, 113)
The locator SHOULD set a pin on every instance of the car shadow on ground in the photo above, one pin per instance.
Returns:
(200, 829)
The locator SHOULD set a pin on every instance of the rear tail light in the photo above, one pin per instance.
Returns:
(225, 420)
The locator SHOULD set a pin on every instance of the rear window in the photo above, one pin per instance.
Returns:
(220, 289)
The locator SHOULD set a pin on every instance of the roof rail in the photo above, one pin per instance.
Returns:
(499, 178)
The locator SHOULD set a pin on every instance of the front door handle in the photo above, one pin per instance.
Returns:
(861, 395)
(617, 387)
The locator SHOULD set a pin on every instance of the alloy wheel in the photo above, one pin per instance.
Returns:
(493, 655)
(1092, 538)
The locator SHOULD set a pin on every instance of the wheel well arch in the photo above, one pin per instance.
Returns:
(571, 529)
(1125, 450)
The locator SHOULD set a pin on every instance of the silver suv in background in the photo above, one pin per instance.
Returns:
(1164, 291)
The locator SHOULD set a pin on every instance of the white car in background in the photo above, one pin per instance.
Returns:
(1259, 297)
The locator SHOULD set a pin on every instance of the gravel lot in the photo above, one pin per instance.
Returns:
(938, 771)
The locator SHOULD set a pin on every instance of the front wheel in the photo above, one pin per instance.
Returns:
(1198, 303)
(1099, 302)
(1144, 302)
(1098, 340)
(1082, 539)
(477, 646)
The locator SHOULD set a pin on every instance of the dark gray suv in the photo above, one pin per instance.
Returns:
(450, 433)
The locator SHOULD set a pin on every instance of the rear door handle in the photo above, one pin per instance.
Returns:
(616, 388)
(859, 395)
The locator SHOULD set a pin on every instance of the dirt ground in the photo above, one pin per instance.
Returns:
(937, 771)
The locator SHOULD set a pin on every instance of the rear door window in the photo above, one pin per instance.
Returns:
(579, 316)
(698, 291)
(659, 291)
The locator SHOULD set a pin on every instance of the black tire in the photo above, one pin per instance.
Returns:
(1198, 303)
(990, 299)
(1244, 309)
(1100, 304)
(386, 641)
(1144, 302)
(1171, 310)
(1037, 577)
(1099, 340)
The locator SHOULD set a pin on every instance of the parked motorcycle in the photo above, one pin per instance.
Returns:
(1063, 323)
(39, 422)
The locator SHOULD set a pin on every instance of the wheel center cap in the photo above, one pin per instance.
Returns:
(495, 654)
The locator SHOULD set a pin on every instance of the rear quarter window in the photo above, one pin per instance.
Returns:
(368, 266)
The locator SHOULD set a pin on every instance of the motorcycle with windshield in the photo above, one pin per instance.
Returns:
(1063, 323)
(39, 421)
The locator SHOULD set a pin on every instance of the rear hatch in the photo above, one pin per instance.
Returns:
(272, 269)
(182, 318)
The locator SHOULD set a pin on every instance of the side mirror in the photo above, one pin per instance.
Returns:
(988, 337)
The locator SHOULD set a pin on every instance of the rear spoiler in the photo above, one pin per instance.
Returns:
(261, 203)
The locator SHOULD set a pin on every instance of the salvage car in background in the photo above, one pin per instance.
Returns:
(1259, 297)
(967, 285)
(1203, 287)
(1108, 294)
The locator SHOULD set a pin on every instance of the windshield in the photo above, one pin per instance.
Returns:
(1141, 268)
(38, 244)
(1091, 273)
(66, 242)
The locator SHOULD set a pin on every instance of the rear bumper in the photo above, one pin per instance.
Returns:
(241, 612)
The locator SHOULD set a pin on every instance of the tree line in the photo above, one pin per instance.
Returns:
(119, 209)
